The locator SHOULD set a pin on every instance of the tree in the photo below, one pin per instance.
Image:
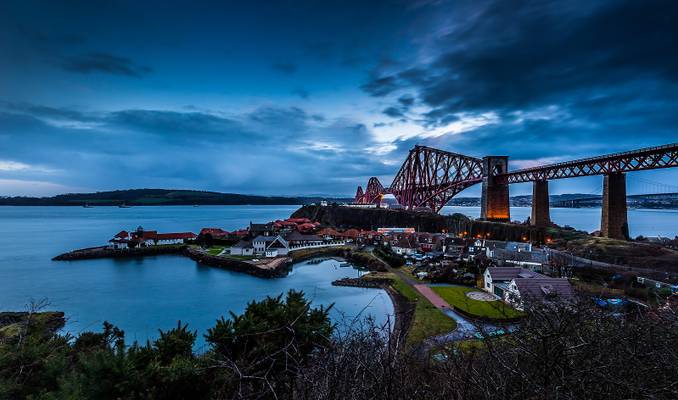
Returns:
(262, 350)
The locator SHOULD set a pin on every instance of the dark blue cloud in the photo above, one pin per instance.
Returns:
(285, 68)
(319, 96)
(105, 63)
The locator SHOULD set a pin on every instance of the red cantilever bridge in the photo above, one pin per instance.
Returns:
(431, 177)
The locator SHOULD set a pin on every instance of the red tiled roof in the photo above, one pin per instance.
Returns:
(299, 220)
(306, 227)
(213, 231)
(175, 235)
(122, 235)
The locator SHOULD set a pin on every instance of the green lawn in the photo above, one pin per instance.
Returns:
(456, 296)
(428, 320)
(215, 250)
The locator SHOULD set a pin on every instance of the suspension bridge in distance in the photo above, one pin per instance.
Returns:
(588, 201)
(430, 177)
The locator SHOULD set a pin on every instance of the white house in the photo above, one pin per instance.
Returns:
(497, 278)
(514, 285)
(173, 238)
(542, 288)
(262, 243)
(142, 238)
(119, 241)
(242, 248)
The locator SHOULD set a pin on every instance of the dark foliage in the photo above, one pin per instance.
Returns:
(282, 350)
(153, 197)
(392, 259)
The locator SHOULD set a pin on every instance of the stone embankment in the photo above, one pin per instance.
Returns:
(265, 268)
(365, 283)
(402, 307)
(105, 252)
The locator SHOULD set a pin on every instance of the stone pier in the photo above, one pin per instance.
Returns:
(494, 204)
(540, 204)
(614, 223)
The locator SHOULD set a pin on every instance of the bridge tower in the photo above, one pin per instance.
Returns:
(614, 223)
(494, 203)
(540, 204)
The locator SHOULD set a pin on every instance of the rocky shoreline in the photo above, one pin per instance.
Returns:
(402, 308)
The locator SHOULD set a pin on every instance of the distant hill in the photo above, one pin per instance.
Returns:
(519, 201)
(157, 197)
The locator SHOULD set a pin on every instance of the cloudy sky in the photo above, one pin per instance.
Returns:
(315, 97)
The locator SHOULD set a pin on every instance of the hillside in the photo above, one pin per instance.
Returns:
(155, 197)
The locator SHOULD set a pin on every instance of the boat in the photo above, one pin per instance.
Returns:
(123, 205)
(86, 205)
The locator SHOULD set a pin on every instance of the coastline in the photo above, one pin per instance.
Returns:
(403, 309)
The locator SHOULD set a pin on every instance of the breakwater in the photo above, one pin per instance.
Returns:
(365, 283)
(274, 268)
(105, 252)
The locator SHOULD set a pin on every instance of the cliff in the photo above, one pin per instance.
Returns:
(373, 218)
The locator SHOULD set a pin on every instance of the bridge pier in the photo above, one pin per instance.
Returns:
(614, 222)
(494, 203)
(540, 204)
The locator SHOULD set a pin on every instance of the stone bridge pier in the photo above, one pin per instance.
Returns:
(494, 203)
(614, 223)
(540, 204)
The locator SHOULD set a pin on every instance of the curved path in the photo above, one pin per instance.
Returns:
(466, 329)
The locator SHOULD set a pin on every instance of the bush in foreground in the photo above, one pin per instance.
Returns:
(284, 349)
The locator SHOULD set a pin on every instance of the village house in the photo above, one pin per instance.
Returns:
(406, 245)
(242, 248)
(454, 247)
(263, 243)
(513, 285)
(119, 241)
(542, 288)
(144, 238)
(430, 242)
(297, 238)
(261, 229)
(517, 254)
(496, 279)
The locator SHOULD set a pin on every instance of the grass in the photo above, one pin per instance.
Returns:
(456, 296)
(39, 319)
(215, 250)
(428, 320)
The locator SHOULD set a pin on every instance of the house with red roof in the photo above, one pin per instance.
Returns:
(144, 238)
(215, 233)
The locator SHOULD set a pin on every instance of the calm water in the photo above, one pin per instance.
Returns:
(641, 222)
(142, 295)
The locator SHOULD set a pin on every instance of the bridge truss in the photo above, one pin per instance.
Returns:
(637, 160)
(430, 177)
